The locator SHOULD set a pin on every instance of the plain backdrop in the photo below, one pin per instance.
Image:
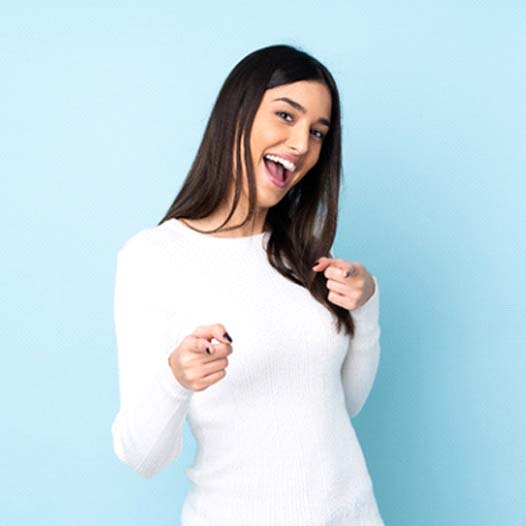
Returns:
(102, 108)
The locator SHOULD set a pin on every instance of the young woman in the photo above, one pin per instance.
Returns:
(228, 281)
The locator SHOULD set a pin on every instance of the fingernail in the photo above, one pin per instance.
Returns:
(227, 336)
(208, 351)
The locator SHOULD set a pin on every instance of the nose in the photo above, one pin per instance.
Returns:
(299, 140)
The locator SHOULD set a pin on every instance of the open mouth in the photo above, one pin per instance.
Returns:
(277, 172)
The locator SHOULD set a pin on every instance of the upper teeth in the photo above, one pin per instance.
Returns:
(287, 164)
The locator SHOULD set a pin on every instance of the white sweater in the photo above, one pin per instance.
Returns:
(275, 443)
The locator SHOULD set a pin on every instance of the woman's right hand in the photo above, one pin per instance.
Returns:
(190, 363)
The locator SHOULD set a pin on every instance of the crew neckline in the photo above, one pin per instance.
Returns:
(199, 235)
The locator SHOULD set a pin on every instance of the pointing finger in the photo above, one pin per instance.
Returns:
(200, 345)
(217, 331)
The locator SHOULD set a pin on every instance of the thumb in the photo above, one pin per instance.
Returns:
(216, 331)
(219, 333)
(321, 263)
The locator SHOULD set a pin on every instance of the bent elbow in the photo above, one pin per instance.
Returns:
(354, 408)
(124, 451)
(141, 459)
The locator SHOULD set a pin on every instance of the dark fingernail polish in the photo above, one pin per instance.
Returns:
(227, 336)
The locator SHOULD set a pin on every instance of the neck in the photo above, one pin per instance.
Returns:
(216, 218)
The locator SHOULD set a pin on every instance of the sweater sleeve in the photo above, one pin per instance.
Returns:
(147, 430)
(360, 365)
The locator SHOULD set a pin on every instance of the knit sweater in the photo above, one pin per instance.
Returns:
(275, 443)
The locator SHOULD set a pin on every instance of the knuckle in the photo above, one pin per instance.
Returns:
(183, 362)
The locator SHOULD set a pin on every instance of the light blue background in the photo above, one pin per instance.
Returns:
(102, 107)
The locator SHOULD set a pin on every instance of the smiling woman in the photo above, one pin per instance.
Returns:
(289, 138)
(236, 249)
(281, 101)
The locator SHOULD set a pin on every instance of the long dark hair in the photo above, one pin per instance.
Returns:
(303, 224)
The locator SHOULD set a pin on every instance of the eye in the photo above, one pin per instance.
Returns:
(280, 113)
(320, 135)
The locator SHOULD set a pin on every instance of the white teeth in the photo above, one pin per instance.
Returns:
(286, 164)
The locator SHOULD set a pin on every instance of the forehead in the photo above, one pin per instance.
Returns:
(313, 95)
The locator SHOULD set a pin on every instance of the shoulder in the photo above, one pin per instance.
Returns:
(153, 246)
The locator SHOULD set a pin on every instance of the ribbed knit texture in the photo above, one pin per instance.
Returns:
(275, 443)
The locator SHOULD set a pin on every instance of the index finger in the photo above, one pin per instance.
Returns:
(216, 330)
(339, 270)
(199, 345)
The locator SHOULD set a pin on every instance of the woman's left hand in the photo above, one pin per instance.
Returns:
(350, 284)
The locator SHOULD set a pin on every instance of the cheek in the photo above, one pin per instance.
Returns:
(264, 135)
(312, 161)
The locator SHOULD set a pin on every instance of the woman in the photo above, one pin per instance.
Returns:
(230, 267)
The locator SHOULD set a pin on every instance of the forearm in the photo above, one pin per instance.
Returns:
(360, 365)
(147, 435)
(147, 430)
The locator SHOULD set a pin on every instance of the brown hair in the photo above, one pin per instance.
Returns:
(303, 224)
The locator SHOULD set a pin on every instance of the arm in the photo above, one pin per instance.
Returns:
(147, 430)
(361, 361)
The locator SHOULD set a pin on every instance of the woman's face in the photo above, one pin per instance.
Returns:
(291, 123)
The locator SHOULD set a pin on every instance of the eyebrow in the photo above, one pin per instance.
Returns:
(299, 107)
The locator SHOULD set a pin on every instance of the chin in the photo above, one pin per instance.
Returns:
(269, 201)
